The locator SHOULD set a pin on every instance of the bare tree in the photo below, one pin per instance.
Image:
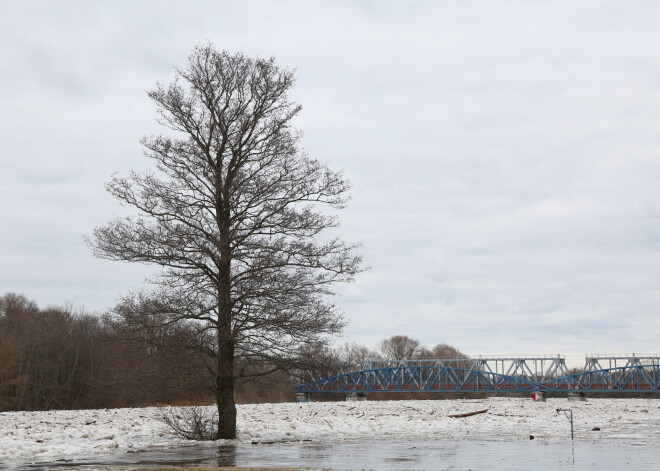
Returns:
(232, 215)
(353, 355)
(398, 347)
(11, 382)
(443, 350)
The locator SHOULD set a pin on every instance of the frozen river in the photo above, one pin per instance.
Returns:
(395, 455)
(609, 433)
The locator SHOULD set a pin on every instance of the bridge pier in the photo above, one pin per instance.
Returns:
(576, 396)
(355, 397)
(302, 397)
(538, 396)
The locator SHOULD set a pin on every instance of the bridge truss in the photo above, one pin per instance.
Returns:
(601, 373)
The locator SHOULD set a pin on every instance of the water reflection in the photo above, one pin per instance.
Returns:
(226, 455)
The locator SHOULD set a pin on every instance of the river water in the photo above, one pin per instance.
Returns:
(391, 455)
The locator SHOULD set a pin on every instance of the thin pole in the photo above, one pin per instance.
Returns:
(571, 411)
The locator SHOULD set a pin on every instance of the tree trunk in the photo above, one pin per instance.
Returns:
(224, 381)
(224, 385)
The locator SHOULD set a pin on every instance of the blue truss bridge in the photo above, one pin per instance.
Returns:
(601, 373)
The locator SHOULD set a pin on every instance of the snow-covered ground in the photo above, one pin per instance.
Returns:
(42, 436)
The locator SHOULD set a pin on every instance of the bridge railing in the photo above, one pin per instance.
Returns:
(623, 356)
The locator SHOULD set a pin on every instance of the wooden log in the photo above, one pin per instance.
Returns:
(468, 414)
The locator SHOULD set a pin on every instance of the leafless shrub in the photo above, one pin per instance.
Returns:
(192, 423)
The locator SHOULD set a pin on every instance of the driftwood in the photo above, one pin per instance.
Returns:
(468, 414)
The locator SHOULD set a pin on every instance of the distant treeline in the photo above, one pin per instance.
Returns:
(60, 358)
(57, 358)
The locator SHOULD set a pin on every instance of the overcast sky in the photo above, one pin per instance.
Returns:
(505, 156)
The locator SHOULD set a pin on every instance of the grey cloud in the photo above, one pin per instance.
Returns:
(503, 155)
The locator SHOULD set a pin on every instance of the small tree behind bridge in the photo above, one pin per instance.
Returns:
(231, 214)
